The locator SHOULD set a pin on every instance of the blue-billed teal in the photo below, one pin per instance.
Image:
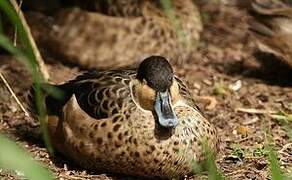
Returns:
(140, 122)
(120, 33)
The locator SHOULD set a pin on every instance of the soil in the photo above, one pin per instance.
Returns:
(224, 75)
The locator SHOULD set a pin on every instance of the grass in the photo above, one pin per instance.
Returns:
(285, 121)
(26, 55)
(276, 172)
(213, 172)
(274, 166)
(219, 89)
(11, 156)
(1, 24)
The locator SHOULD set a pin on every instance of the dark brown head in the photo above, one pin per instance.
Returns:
(157, 72)
(158, 89)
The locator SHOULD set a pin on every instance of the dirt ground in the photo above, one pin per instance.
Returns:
(223, 75)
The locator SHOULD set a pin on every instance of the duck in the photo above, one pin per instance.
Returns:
(140, 122)
(271, 28)
(118, 34)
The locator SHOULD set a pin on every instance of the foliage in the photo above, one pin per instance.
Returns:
(11, 156)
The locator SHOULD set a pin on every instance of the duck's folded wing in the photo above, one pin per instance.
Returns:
(103, 94)
(99, 94)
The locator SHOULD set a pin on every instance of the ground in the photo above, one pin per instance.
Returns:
(234, 90)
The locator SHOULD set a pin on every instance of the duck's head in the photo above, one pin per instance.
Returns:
(158, 90)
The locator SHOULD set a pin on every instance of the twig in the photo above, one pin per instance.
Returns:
(79, 177)
(256, 111)
(251, 121)
(13, 95)
(39, 59)
(270, 113)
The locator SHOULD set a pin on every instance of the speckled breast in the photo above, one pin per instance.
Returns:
(137, 145)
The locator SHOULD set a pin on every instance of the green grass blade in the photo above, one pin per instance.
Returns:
(1, 24)
(276, 172)
(14, 158)
(30, 60)
(28, 57)
(6, 7)
(213, 172)
(8, 46)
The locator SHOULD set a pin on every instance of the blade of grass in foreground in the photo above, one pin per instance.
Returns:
(1, 24)
(13, 157)
(7, 45)
(276, 172)
(213, 172)
(27, 54)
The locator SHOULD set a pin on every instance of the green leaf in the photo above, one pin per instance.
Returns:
(213, 172)
(1, 23)
(14, 158)
(22, 35)
(276, 171)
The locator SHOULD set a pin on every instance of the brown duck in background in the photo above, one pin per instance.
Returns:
(122, 33)
(138, 122)
(272, 28)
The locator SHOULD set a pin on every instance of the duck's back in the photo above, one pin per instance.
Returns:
(103, 94)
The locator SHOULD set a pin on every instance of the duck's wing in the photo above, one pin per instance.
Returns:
(102, 95)
(272, 28)
(99, 94)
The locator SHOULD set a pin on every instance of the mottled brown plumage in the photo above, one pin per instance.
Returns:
(272, 28)
(122, 33)
(110, 122)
